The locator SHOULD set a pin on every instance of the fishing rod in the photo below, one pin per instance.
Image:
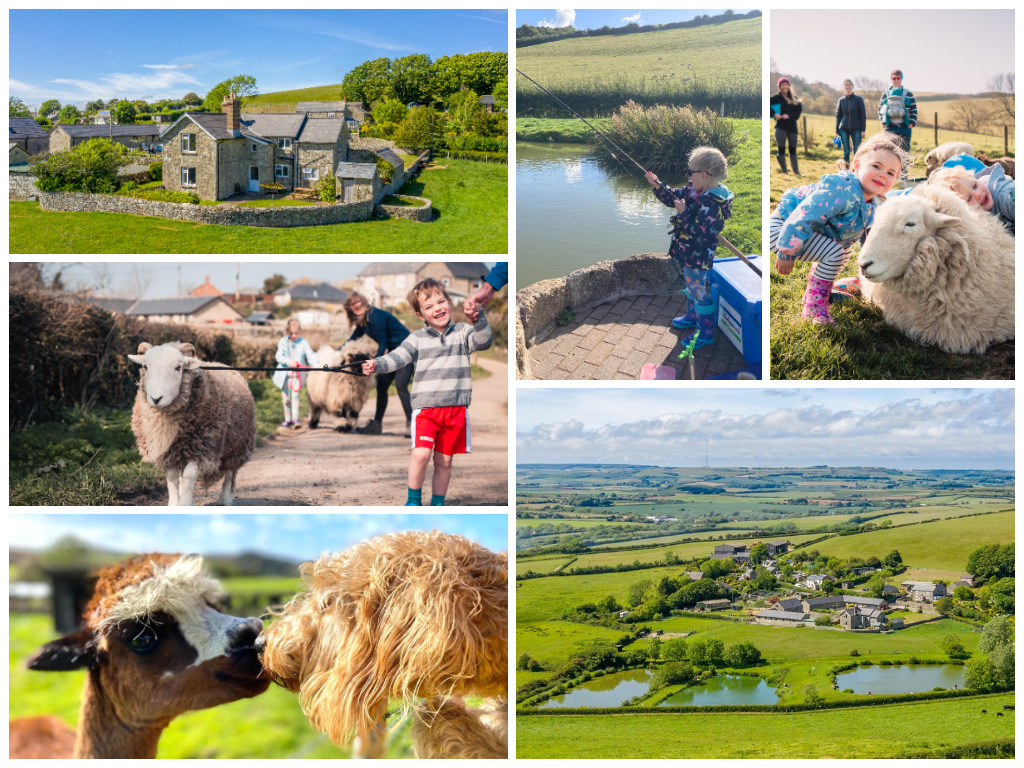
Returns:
(615, 146)
(326, 369)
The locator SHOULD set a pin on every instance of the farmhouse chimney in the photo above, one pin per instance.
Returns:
(233, 109)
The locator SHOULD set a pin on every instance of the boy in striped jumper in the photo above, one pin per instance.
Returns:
(441, 387)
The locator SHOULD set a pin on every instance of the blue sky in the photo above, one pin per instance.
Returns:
(938, 50)
(595, 19)
(916, 428)
(160, 278)
(292, 536)
(77, 56)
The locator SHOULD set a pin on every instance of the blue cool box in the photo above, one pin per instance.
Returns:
(737, 289)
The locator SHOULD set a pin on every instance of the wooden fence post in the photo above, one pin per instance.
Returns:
(1006, 139)
(805, 135)
(936, 129)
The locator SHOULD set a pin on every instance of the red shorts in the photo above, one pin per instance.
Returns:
(444, 429)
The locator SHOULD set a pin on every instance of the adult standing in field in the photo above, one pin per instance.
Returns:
(897, 109)
(388, 331)
(851, 120)
(785, 109)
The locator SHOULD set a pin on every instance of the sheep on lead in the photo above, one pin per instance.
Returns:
(195, 425)
(339, 393)
(941, 271)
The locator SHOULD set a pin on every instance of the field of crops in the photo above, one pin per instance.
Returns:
(701, 66)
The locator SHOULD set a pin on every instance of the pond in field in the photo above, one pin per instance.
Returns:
(722, 690)
(607, 691)
(903, 679)
(573, 211)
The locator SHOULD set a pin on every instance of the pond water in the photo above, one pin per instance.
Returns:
(722, 690)
(572, 212)
(903, 679)
(607, 691)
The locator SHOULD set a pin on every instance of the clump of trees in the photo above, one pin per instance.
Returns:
(992, 667)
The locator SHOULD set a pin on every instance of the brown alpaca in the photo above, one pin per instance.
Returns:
(405, 616)
(154, 648)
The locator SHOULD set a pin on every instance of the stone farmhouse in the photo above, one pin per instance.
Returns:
(66, 137)
(924, 591)
(385, 284)
(28, 134)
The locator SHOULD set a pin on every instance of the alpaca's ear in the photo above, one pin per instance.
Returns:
(74, 651)
(187, 349)
(143, 346)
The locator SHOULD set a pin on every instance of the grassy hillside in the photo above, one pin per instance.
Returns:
(285, 101)
(667, 66)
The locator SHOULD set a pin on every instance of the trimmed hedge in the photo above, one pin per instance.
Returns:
(465, 154)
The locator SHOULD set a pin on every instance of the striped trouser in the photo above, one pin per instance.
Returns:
(830, 254)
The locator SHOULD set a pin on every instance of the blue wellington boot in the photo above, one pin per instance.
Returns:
(689, 320)
(705, 324)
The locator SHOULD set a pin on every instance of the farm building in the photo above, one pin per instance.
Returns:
(822, 603)
(357, 181)
(781, 618)
(694, 575)
(924, 591)
(28, 134)
(66, 137)
(788, 604)
(714, 605)
(16, 155)
(206, 289)
(187, 309)
(815, 580)
(865, 602)
(861, 617)
(777, 547)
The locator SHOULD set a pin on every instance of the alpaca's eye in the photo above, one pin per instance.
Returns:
(143, 642)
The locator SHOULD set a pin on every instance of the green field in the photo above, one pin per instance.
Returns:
(862, 732)
(471, 200)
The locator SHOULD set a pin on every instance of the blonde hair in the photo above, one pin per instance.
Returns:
(292, 322)
(884, 142)
(710, 160)
(947, 178)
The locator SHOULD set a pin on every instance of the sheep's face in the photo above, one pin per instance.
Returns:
(163, 370)
(899, 228)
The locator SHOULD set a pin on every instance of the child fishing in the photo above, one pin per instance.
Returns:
(820, 222)
(702, 207)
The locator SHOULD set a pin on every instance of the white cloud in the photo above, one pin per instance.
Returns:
(563, 18)
(634, 19)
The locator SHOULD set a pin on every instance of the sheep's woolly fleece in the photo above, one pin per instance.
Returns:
(173, 584)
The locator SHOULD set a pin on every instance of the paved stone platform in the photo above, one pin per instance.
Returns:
(613, 341)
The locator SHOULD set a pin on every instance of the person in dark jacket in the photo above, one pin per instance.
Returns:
(388, 331)
(785, 109)
(851, 120)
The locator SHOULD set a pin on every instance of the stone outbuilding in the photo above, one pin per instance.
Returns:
(357, 181)
(66, 137)
(16, 155)
(28, 134)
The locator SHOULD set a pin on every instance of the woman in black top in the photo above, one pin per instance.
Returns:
(851, 120)
(785, 109)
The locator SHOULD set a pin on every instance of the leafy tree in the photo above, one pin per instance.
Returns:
(17, 108)
(944, 605)
(702, 589)
(500, 94)
(389, 111)
(191, 98)
(876, 585)
(464, 110)
(89, 167)
(1003, 667)
(655, 648)
(526, 663)
(758, 553)
(275, 282)
(997, 633)
(706, 653)
(763, 580)
(953, 647)
(673, 673)
(68, 114)
(635, 657)
(95, 105)
(714, 569)
(48, 106)
(893, 560)
(963, 593)
(991, 561)
(411, 79)
(674, 649)
(666, 586)
(637, 592)
(1003, 594)
(423, 128)
(327, 188)
(369, 83)
(742, 655)
(812, 697)
(609, 605)
(480, 72)
(598, 655)
(42, 121)
(240, 85)
(124, 113)
(980, 674)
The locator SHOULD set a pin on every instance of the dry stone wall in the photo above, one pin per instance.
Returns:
(422, 212)
(22, 186)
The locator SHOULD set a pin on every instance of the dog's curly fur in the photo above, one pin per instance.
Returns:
(403, 616)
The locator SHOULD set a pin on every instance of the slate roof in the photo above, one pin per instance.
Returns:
(389, 154)
(391, 268)
(106, 131)
(787, 603)
(319, 292)
(25, 128)
(782, 615)
(859, 600)
(120, 306)
(274, 125)
(216, 125)
(470, 270)
(320, 106)
(324, 130)
(355, 170)
(185, 305)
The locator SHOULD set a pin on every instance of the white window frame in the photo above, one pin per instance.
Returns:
(310, 174)
(188, 142)
(284, 143)
(185, 174)
(282, 171)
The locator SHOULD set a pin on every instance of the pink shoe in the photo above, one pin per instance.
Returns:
(816, 300)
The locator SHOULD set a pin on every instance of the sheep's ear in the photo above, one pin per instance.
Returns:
(136, 359)
(187, 349)
(936, 220)
(75, 651)
(143, 346)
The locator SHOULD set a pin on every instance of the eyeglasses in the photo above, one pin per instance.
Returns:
(691, 171)
(897, 77)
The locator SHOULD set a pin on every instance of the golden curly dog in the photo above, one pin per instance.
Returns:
(405, 616)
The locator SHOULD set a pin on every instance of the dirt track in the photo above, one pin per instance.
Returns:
(322, 467)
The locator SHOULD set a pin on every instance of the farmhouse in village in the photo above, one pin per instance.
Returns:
(385, 284)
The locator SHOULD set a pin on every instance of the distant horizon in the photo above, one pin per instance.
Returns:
(759, 466)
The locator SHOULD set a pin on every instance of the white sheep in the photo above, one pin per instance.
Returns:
(195, 425)
(943, 152)
(941, 270)
(340, 394)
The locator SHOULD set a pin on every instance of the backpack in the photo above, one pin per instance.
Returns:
(895, 108)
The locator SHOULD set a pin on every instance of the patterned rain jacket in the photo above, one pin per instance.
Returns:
(695, 231)
(835, 207)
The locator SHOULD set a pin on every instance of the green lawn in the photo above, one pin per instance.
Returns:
(471, 200)
(861, 732)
